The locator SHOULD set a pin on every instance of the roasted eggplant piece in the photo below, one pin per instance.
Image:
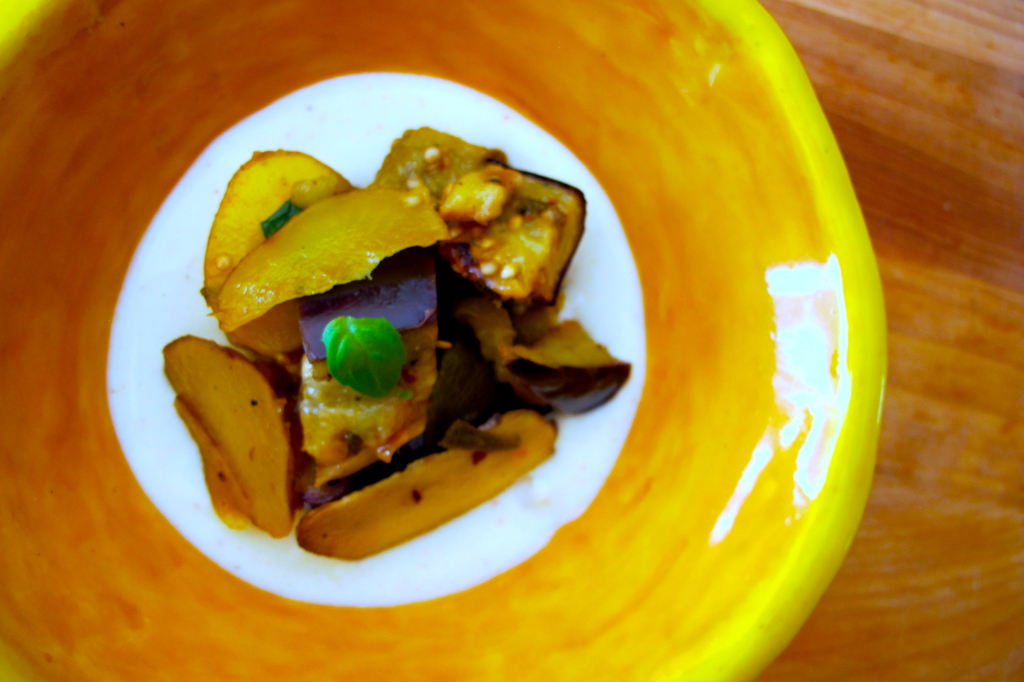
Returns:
(429, 492)
(524, 252)
(344, 430)
(329, 491)
(491, 326)
(566, 370)
(402, 290)
(569, 389)
(432, 159)
(531, 322)
(479, 196)
(466, 389)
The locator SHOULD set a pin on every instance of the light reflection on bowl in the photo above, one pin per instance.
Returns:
(812, 383)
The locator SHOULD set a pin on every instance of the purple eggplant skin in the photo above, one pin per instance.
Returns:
(572, 233)
(534, 195)
(570, 389)
(402, 290)
(571, 236)
(315, 496)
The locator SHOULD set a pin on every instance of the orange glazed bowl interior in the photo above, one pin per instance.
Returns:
(749, 462)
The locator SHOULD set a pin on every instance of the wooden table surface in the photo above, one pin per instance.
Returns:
(926, 98)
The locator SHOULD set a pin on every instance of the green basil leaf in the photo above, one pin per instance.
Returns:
(280, 218)
(365, 353)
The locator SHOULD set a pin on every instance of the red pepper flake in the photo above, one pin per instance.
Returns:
(416, 496)
(478, 457)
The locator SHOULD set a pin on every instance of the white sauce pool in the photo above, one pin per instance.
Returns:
(349, 124)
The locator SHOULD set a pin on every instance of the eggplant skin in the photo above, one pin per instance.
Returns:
(570, 389)
(401, 289)
(458, 257)
(571, 237)
(536, 237)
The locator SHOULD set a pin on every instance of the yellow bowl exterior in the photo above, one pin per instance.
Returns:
(700, 123)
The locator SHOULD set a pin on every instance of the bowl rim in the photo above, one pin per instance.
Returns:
(828, 541)
(732, 654)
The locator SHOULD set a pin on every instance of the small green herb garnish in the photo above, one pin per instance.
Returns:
(280, 218)
(365, 353)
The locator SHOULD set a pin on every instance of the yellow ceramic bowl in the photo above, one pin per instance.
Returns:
(748, 465)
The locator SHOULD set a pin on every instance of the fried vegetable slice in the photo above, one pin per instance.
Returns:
(565, 369)
(463, 435)
(309, 191)
(532, 322)
(245, 419)
(229, 500)
(256, 190)
(430, 492)
(491, 325)
(344, 430)
(466, 389)
(524, 252)
(337, 240)
(274, 333)
(429, 158)
(479, 196)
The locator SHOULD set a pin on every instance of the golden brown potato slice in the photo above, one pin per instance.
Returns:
(227, 496)
(256, 190)
(305, 193)
(337, 240)
(245, 419)
(272, 334)
(429, 492)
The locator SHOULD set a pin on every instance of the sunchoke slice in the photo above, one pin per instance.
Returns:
(338, 240)
(464, 436)
(245, 419)
(255, 191)
(274, 333)
(430, 492)
(228, 499)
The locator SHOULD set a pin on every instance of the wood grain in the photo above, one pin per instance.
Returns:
(926, 98)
